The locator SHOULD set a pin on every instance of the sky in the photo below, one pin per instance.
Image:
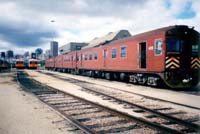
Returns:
(29, 24)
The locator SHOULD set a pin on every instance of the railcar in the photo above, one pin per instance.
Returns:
(32, 64)
(170, 55)
(4, 65)
(20, 64)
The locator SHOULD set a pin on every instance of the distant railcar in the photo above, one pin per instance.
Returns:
(170, 55)
(4, 65)
(32, 64)
(20, 64)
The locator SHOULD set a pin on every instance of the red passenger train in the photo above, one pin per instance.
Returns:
(170, 55)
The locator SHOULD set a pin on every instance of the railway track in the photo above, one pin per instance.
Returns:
(164, 116)
(88, 117)
(118, 89)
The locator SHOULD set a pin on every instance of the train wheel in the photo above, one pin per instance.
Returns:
(109, 76)
(133, 79)
(123, 77)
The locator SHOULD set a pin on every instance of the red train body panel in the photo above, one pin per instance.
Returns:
(69, 60)
(86, 61)
(50, 63)
(58, 61)
(145, 58)
(130, 62)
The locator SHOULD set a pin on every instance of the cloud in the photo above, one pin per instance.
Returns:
(21, 37)
(26, 24)
(181, 9)
(187, 12)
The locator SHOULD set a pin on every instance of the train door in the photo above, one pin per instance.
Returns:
(76, 59)
(72, 61)
(142, 54)
(105, 55)
(81, 59)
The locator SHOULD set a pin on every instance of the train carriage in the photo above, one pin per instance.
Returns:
(20, 64)
(32, 64)
(170, 55)
(4, 65)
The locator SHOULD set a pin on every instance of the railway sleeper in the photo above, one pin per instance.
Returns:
(118, 130)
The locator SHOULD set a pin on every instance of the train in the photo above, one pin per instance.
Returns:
(30, 64)
(20, 64)
(4, 65)
(168, 55)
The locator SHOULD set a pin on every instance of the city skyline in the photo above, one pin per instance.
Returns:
(27, 25)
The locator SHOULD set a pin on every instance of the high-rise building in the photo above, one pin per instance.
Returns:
(3, 55)
(54, 48)
(9, 54)
(47, 54)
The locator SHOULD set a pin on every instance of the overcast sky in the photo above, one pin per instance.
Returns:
(26, 24)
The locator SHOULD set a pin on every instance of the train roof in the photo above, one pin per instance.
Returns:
(19, 60)
(145, 34)
(152, 32)
(32, 60)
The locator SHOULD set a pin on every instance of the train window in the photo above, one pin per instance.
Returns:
(174, 45)
(90, 56)
(114, 53)
(33, 62)
(95, 55)
(85, 56)
(195, 48)
(158, 47)
(19, 62)
(123, 52)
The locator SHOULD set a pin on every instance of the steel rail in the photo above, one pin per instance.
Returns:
(62, 114)
(171, 118)
(149, 97)
(130, 117)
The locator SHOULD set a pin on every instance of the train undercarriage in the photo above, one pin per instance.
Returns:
(169, 78)
(151, 79)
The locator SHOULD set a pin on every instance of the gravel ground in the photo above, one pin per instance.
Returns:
(22, 113)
